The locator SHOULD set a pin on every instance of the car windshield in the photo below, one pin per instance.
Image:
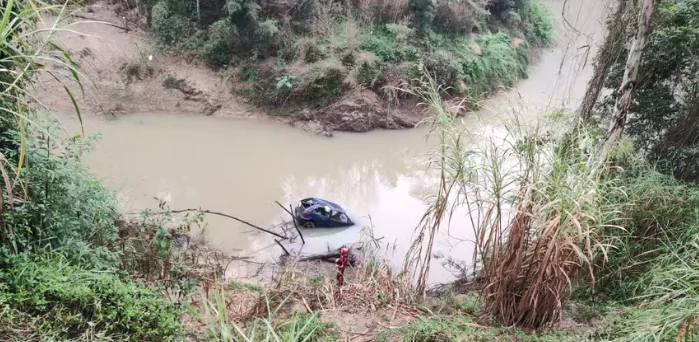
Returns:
(339, 216)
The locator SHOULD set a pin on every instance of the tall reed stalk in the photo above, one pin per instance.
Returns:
(27, 47)
(534, 208)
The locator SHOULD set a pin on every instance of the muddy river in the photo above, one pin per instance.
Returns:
(241, 167)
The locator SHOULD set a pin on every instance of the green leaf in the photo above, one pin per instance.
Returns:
(77, 109)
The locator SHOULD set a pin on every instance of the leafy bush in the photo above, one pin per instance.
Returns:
(445, 69)
(499, 64)
(541, 27)
(170, 27)
(69, 301)
(68, 209)
(310, 50)
(322, 84)
(500, 9)
(453, 18)
(381, 43)
(657, 212)
(369, 72)
(216, 50)
(663, 117)
(424, 12)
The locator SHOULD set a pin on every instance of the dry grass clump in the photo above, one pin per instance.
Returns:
(454, 17)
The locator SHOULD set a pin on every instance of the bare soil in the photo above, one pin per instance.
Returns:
(124, 73)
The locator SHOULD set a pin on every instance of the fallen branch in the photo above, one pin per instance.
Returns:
(234, 218)
(282, 246)
(126, 29)
(329, 255)
(293, 219)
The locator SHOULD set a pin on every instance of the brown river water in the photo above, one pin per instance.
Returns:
(241, 167)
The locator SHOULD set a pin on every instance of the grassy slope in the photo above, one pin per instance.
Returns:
(312, 55)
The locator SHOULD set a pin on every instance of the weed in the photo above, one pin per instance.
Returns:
(172, 82)
(137, 70)
(369, 72)
(245, 286)
(69, 301)
(299, 327)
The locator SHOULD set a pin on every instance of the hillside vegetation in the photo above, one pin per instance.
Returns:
(554, 223)
(312, 52)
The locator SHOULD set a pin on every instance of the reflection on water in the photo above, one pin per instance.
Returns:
(242, 167)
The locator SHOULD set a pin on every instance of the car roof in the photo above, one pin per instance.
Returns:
(322, 202)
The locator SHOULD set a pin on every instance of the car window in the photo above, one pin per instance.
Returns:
(321, 211)
(339, 216)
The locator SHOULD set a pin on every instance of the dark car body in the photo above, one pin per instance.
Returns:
(317, 212)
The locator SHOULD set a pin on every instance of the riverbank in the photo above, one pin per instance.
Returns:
(132, 72)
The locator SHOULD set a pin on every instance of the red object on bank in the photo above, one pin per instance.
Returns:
(341, 263)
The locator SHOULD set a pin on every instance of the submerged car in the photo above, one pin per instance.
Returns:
(316, 212)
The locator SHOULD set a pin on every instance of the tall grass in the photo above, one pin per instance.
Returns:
(25, 50)
(535, 208)
(221, 327)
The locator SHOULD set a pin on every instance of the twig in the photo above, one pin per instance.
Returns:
(306, 305)
(282, 246)
(232, 217)
(101, 22)
(293, 219)
(290, 210)
(473, 325)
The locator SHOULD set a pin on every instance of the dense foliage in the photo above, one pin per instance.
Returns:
(664, 119)
(61, 273)
(70, 301)
(311, 52)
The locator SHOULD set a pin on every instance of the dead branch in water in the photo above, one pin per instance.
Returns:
(234, 218)
(282, 246)
(329, 255)
(289, 211)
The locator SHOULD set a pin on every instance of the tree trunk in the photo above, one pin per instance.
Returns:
(606, 57)
(628, 83)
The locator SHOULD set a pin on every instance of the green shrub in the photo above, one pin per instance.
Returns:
(311, 52)
(445, 69)
(369, 72)
(657, 213)
(216, 50)
(381, 43)
(499, 64)
(349, 59)
(424, 11)
(69, 209)
(401, 33)
(541, 27)
(453, 18)
(500, 9)
(168, 26)
(322, 84)
(69, 301)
